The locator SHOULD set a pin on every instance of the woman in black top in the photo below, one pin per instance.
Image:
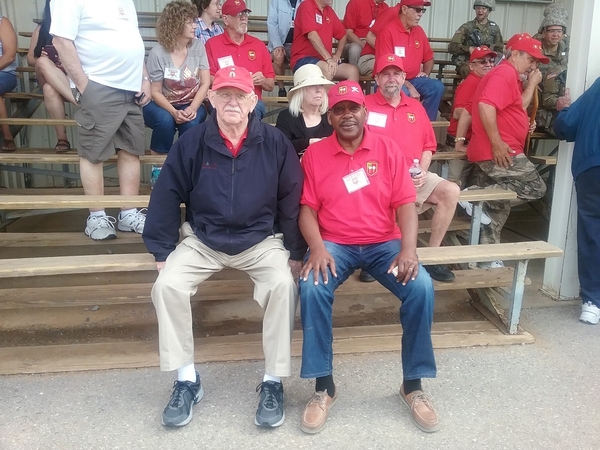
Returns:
(305, 121)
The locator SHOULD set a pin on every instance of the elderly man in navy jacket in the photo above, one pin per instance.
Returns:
(240, 181)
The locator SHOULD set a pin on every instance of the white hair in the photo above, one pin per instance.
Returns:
(297, 98)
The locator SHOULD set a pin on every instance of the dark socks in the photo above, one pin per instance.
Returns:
(325, 383)
(412, 385)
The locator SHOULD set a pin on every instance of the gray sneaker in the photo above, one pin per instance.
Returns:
(134, 221)
(186, 394)
(270, 412)
(101, 228)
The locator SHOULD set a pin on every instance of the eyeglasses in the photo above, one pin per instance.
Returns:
(227, 96)
(418, 10)
(484, 61)
(338, 110)
(555, 31)
(242, 14)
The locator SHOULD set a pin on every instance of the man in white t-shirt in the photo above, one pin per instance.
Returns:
(102, 52)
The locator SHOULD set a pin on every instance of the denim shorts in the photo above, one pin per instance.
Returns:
(306, 60)
(8, 81)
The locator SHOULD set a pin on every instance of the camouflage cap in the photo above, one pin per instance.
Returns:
(490, 4)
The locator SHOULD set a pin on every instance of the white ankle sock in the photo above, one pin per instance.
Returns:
(271, 378)
(125, 212)
(187, 373)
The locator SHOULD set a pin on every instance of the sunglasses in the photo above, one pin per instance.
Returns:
(418, 10)
(484, 61)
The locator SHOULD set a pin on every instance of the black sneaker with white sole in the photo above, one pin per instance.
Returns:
(270, 406)
(179, 409)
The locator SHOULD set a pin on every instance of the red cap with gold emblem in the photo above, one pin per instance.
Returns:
(387, 61)
(525, 43)
(233, 76)
(234, 7)
(346, 91)
(482, 52)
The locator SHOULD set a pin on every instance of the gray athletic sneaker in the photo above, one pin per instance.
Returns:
(100, 228)
(179, 409)
(270, 412)
(133, 221)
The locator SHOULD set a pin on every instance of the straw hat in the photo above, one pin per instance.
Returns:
(308, 75)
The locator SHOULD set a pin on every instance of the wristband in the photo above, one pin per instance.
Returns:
(458, 139)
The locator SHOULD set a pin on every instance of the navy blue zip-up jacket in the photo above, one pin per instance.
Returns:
(231, 203)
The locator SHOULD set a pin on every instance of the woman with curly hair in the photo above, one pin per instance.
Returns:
(179, 76)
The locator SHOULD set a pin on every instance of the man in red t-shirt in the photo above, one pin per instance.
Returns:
(360, 16)
(315, 27)
(404, 37)
(357, 197)
(500, 126)
(403, 119)
(236, 47)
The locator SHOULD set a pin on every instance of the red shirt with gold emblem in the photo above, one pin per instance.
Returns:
(310, 18)
(361, 14)
(367, 215)
(251, 54)
(386, 17)
(407, 124)
(411, 45)
(502, 89)
(464, 93)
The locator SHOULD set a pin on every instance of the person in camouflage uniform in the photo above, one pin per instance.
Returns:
(554, 74)
(480, 31)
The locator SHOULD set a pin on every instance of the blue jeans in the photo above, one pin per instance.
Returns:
(164, 127)
(416, 313)
(260, 109)
(431, 91)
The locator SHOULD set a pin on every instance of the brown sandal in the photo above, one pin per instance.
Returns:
(62, 146)
(8, 146)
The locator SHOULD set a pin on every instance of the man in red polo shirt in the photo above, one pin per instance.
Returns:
(404, 37)
(360, 16)
(395, 114)
(315, 27)
(357, 197)
(236, 47)
(366, 62)
(500, 125)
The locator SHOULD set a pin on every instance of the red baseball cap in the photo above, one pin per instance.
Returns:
(414, 3)
(525, 43)
(234, 7)
(233, 76)
(346, 91)
(482, 52)
(387, 61)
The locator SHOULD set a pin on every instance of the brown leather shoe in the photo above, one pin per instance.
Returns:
(316, 411)
(421, 410)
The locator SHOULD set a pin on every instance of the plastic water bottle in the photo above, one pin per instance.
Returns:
(415, 169)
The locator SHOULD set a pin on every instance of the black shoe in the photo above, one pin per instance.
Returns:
(282, 92)
(440, 272)
(366, 277)
(270, 406)
(179, 410)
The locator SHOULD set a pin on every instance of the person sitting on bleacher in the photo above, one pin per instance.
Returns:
(500, 125)
(51, 77)
(101, 49)
(358, 211)
(305, 121)
(280, 28)
(404, 37)
(180, 77)
(8, 78)
(241, 181)
(360, 16)
(209, 11)
(236, 47)
(316, 25)
(395, 114)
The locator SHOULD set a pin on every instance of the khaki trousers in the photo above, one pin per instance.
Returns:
(191, 263)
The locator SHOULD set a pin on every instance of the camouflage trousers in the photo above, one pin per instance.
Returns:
(522, 178)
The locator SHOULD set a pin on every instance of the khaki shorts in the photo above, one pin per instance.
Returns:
(431, 181)
(366, 64)
(109, 120)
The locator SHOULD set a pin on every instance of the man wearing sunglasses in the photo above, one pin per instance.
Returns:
(358, 211)
(404, 38)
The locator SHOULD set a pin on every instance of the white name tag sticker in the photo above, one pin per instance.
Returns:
(377, 119)
(372, 22)
(171, 73)
(400, 52)
(225, 61)
(319, 19)
(356, 180)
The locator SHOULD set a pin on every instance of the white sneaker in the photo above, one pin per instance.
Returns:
(468, 207)
(100, 228)
(590, 313)
(133, 221)
(491, 265)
